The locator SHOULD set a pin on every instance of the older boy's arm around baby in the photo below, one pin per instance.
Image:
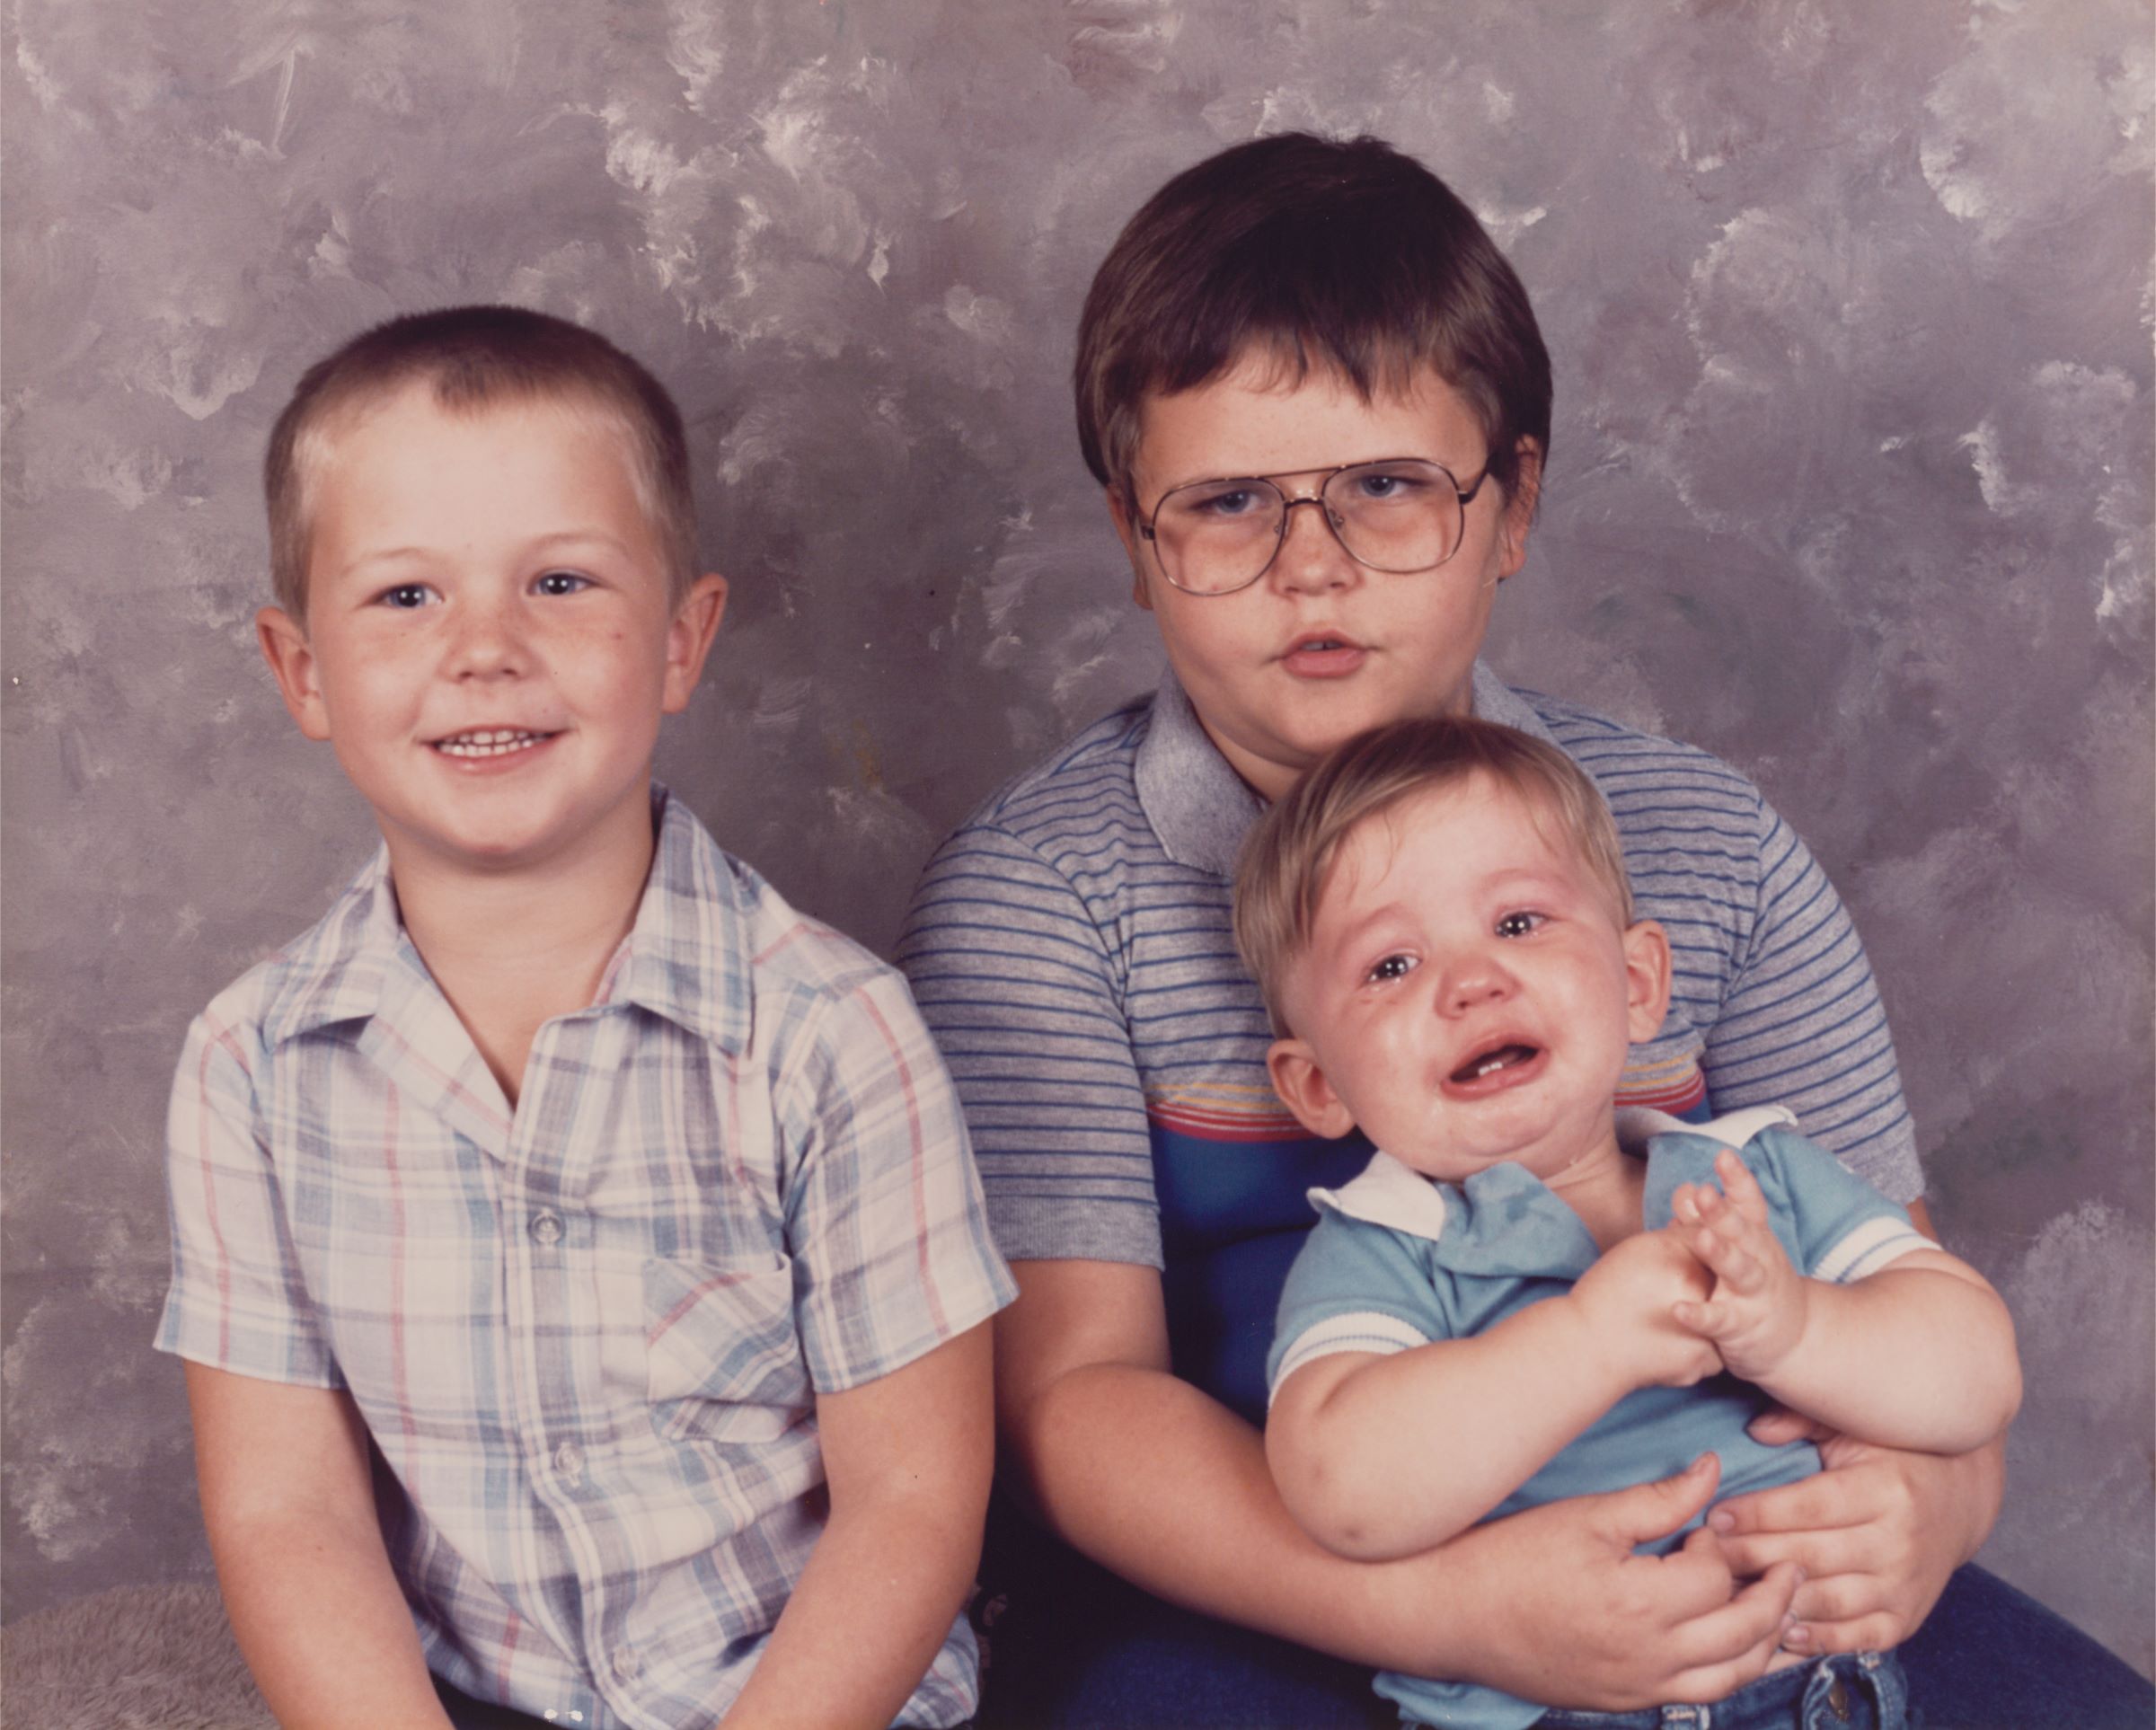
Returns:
(576, 1253)
(1918, 1355)
(1441, 919)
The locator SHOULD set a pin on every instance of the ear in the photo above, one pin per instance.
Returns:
(1305, 1090)
(1126, 531)
(292, 662)
(689, 640)
(1646, 979)
(1519, 509)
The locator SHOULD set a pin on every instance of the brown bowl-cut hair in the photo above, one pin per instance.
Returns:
(1289, 854)
(1310, 253)
(475, 358)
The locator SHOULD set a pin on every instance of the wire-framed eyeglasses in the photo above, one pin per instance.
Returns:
(1401, 515)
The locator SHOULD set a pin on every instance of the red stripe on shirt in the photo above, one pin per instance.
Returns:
(912, 1126)
(689, 1303)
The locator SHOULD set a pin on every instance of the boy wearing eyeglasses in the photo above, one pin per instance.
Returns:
(1284, 356)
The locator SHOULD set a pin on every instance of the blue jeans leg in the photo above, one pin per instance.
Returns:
(1852, 1690)
(1992, 1658)
(468, 1714)
(1067, 1646)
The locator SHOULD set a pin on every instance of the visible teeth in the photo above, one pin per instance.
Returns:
(489, 742)
(1490, 1062)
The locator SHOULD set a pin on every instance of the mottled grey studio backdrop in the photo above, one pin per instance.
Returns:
(1851, 483)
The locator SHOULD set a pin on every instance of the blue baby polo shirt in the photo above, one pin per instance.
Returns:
(1397, 1260)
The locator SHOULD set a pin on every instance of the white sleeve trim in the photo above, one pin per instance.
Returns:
(1365, 1330)
(1869, 1247)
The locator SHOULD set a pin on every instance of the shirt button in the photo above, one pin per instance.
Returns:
(546, 1227)
(569, 1463)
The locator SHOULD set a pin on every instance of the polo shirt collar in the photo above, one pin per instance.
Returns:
(686, 957)
(1200, 809)
(1504, 1220)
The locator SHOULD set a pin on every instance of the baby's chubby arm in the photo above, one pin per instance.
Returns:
(1349, 1435)
(289, 1501)
(1920, 1355)
(907, 1457)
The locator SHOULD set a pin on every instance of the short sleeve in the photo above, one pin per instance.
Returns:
(1843, 1229)
(1801, 1025)
(884, 1217)
(237, 1300)
(1354, 1288)
(1016, 980)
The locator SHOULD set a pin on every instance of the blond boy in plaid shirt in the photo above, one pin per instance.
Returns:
(576, 1254)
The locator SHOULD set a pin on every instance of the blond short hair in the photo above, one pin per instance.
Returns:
(1288, 857)
(478, 358)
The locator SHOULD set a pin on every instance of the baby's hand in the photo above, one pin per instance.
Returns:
(1755, 1314)
(1630, 1297)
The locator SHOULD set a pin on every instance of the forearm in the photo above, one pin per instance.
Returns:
(1919, 1357)
(1170, 1489)
(321, 1623)
(288, 1503)
(872, 1607)
(1349, 1439)
(1165, 1487)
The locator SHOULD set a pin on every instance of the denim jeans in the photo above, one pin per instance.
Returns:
(1856, 1690)
(468, 1714)
(1068, 1646)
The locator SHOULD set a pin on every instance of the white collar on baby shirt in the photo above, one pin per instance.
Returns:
(1389, 1194)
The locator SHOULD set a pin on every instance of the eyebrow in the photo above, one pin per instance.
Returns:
(1510, 881)
(543, 545)
(1357, 935)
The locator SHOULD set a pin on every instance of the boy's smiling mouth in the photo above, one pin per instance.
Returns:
(490, 742)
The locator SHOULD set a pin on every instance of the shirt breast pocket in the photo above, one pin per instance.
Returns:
(723, 1359)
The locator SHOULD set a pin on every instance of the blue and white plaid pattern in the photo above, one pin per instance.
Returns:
(588, 1336)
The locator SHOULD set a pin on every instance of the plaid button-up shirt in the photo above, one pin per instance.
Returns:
(586, 1334)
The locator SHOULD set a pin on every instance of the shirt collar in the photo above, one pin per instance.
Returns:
(1200, 809)
(353, 960)
(686, 957)
(1504, 1220)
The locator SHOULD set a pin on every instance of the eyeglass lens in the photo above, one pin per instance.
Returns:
(1220, 536)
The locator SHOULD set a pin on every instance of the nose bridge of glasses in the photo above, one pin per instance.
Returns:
(1321, 550)
(1327, 509)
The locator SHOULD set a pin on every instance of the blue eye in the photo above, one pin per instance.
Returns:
(1392, 967)
(1221, 501)
(1519, 924)
(562, 582)
(405, 597)
(1389, 486)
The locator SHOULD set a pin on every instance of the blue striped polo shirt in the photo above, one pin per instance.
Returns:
(1071, 950)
